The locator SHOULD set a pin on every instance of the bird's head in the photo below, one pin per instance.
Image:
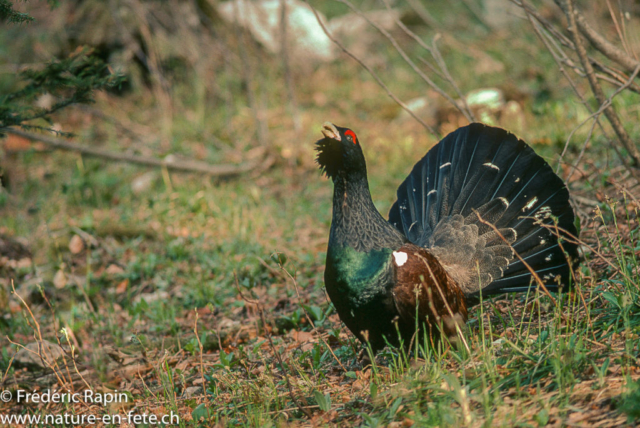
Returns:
(339, 152)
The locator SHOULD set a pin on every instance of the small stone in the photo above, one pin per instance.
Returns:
(39, 354)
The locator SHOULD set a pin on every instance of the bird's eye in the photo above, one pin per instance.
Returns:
(351, 136)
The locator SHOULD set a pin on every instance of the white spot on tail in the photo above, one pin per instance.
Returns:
(490, 165)
(530, 204)
(432, 191)
(542, 242)
(549, 257)
(445, 164)
(401, 257)
(515, 236)
(517, 179)
(505, 202)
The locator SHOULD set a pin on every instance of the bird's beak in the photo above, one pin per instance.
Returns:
(329, 131)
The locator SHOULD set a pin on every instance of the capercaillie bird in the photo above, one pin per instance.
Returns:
(469, 205)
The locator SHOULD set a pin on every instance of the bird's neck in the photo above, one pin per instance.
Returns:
(356, 221)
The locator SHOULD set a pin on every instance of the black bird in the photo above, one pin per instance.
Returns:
(476, 199)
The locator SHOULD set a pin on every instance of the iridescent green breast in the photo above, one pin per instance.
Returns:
(358, 277)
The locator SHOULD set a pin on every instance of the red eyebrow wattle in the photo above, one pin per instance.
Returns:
(353, 135)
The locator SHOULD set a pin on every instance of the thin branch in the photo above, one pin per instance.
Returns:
(533, 273)
(201, 349)
(608, 49)
(221, 170)
(566, 42)
(435, 53)
(560, 58)
(575, 240)
(407, 59)
(609, 111)
(595, 115)
(476, 12)
(423, 13)
(372, 73)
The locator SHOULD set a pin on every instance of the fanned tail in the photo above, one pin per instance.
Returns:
(481, 174)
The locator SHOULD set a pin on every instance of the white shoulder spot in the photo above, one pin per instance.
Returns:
(401, 257)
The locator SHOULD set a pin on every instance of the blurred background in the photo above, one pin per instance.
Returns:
(189, 172)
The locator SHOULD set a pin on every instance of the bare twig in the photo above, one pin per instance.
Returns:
(595, 115)
(373, 74)
(50, 362)
(609, 111)
(575, 240)
(423, 13)
(221, 170)
(408, 60)
(550, 41)
(613, 75)
(476, 12)
(200, 348)
(533, 273)
(444, 300)
(444, 74)
(608, 49)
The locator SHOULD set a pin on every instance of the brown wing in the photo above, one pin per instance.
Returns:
(424, 288)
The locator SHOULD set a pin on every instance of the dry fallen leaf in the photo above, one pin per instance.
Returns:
(60, 279)
(76, 245)
(122, 286)
(113, 269)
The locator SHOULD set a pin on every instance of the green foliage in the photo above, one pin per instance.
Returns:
(69, 81)
(8, 13)
(323, 400)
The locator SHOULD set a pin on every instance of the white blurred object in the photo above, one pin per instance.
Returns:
(305, 36)
(491, 98)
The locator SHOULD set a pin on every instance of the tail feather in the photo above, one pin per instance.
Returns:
(486, 174)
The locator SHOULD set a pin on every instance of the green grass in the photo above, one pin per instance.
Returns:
(205, 298)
